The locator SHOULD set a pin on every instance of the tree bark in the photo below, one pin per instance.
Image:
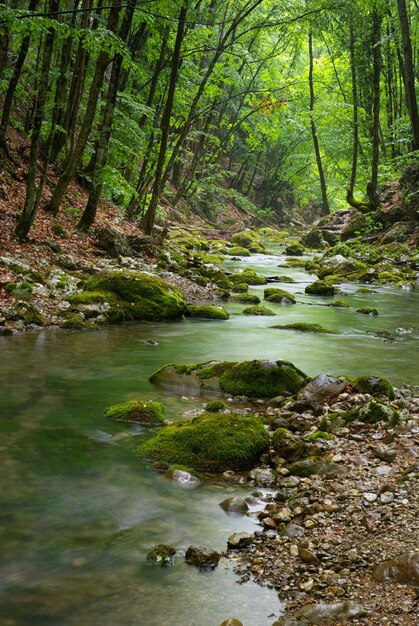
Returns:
(323, 187)
(150, 215)
(409, 73)
(375, 128)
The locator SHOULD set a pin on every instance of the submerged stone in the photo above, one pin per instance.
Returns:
(183, 476)
(236, 505)
(162, 554)
(304, 327)
(202, 557)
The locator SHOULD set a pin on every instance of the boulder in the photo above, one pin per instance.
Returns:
(322, 389)
(183, 476)
(206, 311)
(263, 476)
(320, 288)
(212, 441)
(113, 241)
(308, 467)
(236, 541)
(204, 558)
(374, 385)
(403, 569)
(145, 412)
(323, 614)
(278, 296)
(235, 505)
(289, 446)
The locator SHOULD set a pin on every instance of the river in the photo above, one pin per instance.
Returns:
(79, 511)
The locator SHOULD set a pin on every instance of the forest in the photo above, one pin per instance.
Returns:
(281, 106)
(209, 271)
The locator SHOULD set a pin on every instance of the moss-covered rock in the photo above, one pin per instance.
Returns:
(248, 239)
(73, 321)
(215, 406)
(21, 289)
(245, 298)
(140, 296)
(239, 251)
(240, 288)
(248, 276)
(366, 310)
(29, 313)
(340, 304)
(162, 554)
(206, 311)
(295, 249)
(304, 327)
(137, 412)
(278, 296)
(374, 385)
(258, 310)
(374, 412)
(285, 279)
(259, 379)
(211, 441)
(289, 446)
(320, 288)
(319, 434)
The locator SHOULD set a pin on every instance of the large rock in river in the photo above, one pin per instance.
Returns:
(256, 379)
(133, 296)
(211, 441)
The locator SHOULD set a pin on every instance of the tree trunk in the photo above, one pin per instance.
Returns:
(325, 204)
(409, 73)
(74, 160)
(102, 149)
(375, 129)
(150, 215)
(32, 201)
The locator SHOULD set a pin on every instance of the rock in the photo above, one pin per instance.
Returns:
(308, 467)
(236, 541)
(207, 311)
(204, 558)
(211, 441)
(258, 310)
(320, 288)
(139, 243)
(293, 530)
(384, 453)
(305, 327)
(325, 614)
(145, 412)
(403, 569)
(113, 241)
(373, 412)
(278, 296)
(263, 476)
(257, 379)
(162, 554)
(231, 622)
(67, 261)
(322, 389)
(289, 446)
(235, 505)
(313, 239)
(295, 249)
(183, 476)
(374, 385)
(308, 556)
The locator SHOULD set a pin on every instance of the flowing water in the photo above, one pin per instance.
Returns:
(79, 511)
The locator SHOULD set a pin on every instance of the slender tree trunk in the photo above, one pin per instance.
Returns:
(355, 110)
(150, 215)
(74, 159)
(375, 129)
(409, 73)
(32, 198)
(101, 154)
(325, 204)
(7, 107)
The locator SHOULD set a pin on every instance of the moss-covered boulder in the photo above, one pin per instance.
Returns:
(258, 379)
(374, 385)
(211, 441)
(248, 239)
(367, 310)
(162, 554)
(138, 296)
(28, 313)
(258, 310)
(248, 276)
(295, 249)
(206, 311)
(289, 446)
(245, 298)
(215, 406)
(137, 412)
(304, 327)
(373, 412)
(72, 321)
(239, 251)
(21, 289)
(320, 288)
(340, 304)
(278, 296)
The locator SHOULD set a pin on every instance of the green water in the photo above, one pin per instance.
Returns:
(79, 511)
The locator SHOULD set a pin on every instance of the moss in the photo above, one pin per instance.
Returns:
(388, 277)
(210, 441)
(305, 327)
(258, 310)
(282, 431)
(185, 369)
(137, 411)
(161, 554)
(294, 262)
(245, 298)
(29, 313)
(22, 286)
(185, 468)
(206, 311)
(365, 290)
(262, 379)
(320, 288)
(92, 297)
(141, 297)
(340, 304)
(240, 287)
(278, 295)
(216, 405)
(295, 249)
(320, 435)
(374, 385)
(375, 411)
(285, 279)
(217, 369)
(366, 310)
(250, 277)
(239, 251)
(246, 239)
(73, 321)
